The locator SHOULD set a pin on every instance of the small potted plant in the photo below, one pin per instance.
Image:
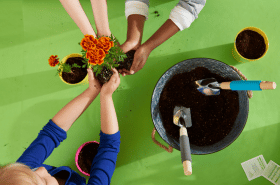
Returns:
(85, 155)
(70, 69)
(101, 54)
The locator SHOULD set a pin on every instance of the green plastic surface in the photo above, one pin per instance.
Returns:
(31, 94)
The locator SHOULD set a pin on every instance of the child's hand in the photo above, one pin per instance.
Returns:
(126, 47)
(109, 87)
(93, 83)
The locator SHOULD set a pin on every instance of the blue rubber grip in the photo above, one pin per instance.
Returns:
(245, 85)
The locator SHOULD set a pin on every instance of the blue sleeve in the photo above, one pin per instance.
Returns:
(104, 163)
(39, 150)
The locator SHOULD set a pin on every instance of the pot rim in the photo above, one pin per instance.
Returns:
(259, 31)
(77, 156)
(84, 81)
(168, 140)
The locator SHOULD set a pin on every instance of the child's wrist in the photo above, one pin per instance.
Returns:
(105, 95)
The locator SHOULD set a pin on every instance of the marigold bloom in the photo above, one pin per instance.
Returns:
(53, 60)
(90, 38)
(88, 42)
(92, 62)
(104, 39)
(99, 62)
(99, 45)
(90, 53)
(101, 54)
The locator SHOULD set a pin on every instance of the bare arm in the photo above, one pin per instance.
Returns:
(135, 26)
(76, 12)
(167, 30)
(109, 121)
(72, 111)
(99, 8)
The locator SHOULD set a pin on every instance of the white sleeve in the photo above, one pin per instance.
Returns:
(185, 12)
(137, 7)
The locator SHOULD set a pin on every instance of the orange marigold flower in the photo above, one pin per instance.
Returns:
(112, 43)
(90, 53)
(53, 60)
(92, 46)
(107, 46)
(99, 62)
(88, 42)
(104, 39)
(92, 62)
(99, 45)
(101, 54)
(84, 44)
(90, 38)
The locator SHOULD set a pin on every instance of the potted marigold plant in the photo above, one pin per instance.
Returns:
(70, 69)
(101, 54)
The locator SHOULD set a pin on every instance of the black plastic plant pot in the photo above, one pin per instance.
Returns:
(215, 67)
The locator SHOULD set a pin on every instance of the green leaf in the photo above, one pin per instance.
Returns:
(76, 65)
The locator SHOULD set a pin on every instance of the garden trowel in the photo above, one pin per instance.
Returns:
(210, 86)
(182, 118)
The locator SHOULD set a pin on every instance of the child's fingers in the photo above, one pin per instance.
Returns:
(90, 73)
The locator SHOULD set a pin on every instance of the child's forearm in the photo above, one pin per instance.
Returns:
(72, 111)
(99, 8)
(135, 26)
(109, 121)
(76, 12)
(167, 30)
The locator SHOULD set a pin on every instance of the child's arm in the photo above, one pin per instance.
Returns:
(104, 163)
(76, 12)
(99, 8)
(180, 18)
(109, 121)
(72, 111)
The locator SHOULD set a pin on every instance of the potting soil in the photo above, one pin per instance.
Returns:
(104, 76)
(127, 63)
(212, 116)
(87, 155)
(250, 44)
(77, 74)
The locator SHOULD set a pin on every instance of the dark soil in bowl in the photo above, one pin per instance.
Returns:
(127, 63)
(86, 156)
(212, 116)
(250, 44)
(104, 76)
(77, 74)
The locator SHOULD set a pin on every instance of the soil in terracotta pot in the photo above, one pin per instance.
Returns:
(77, 74)
(212, 116)
(104, 76)
(127, 63)
(86, 156)
(250, 44)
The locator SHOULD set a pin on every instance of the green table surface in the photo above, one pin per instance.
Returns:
(31, 94)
